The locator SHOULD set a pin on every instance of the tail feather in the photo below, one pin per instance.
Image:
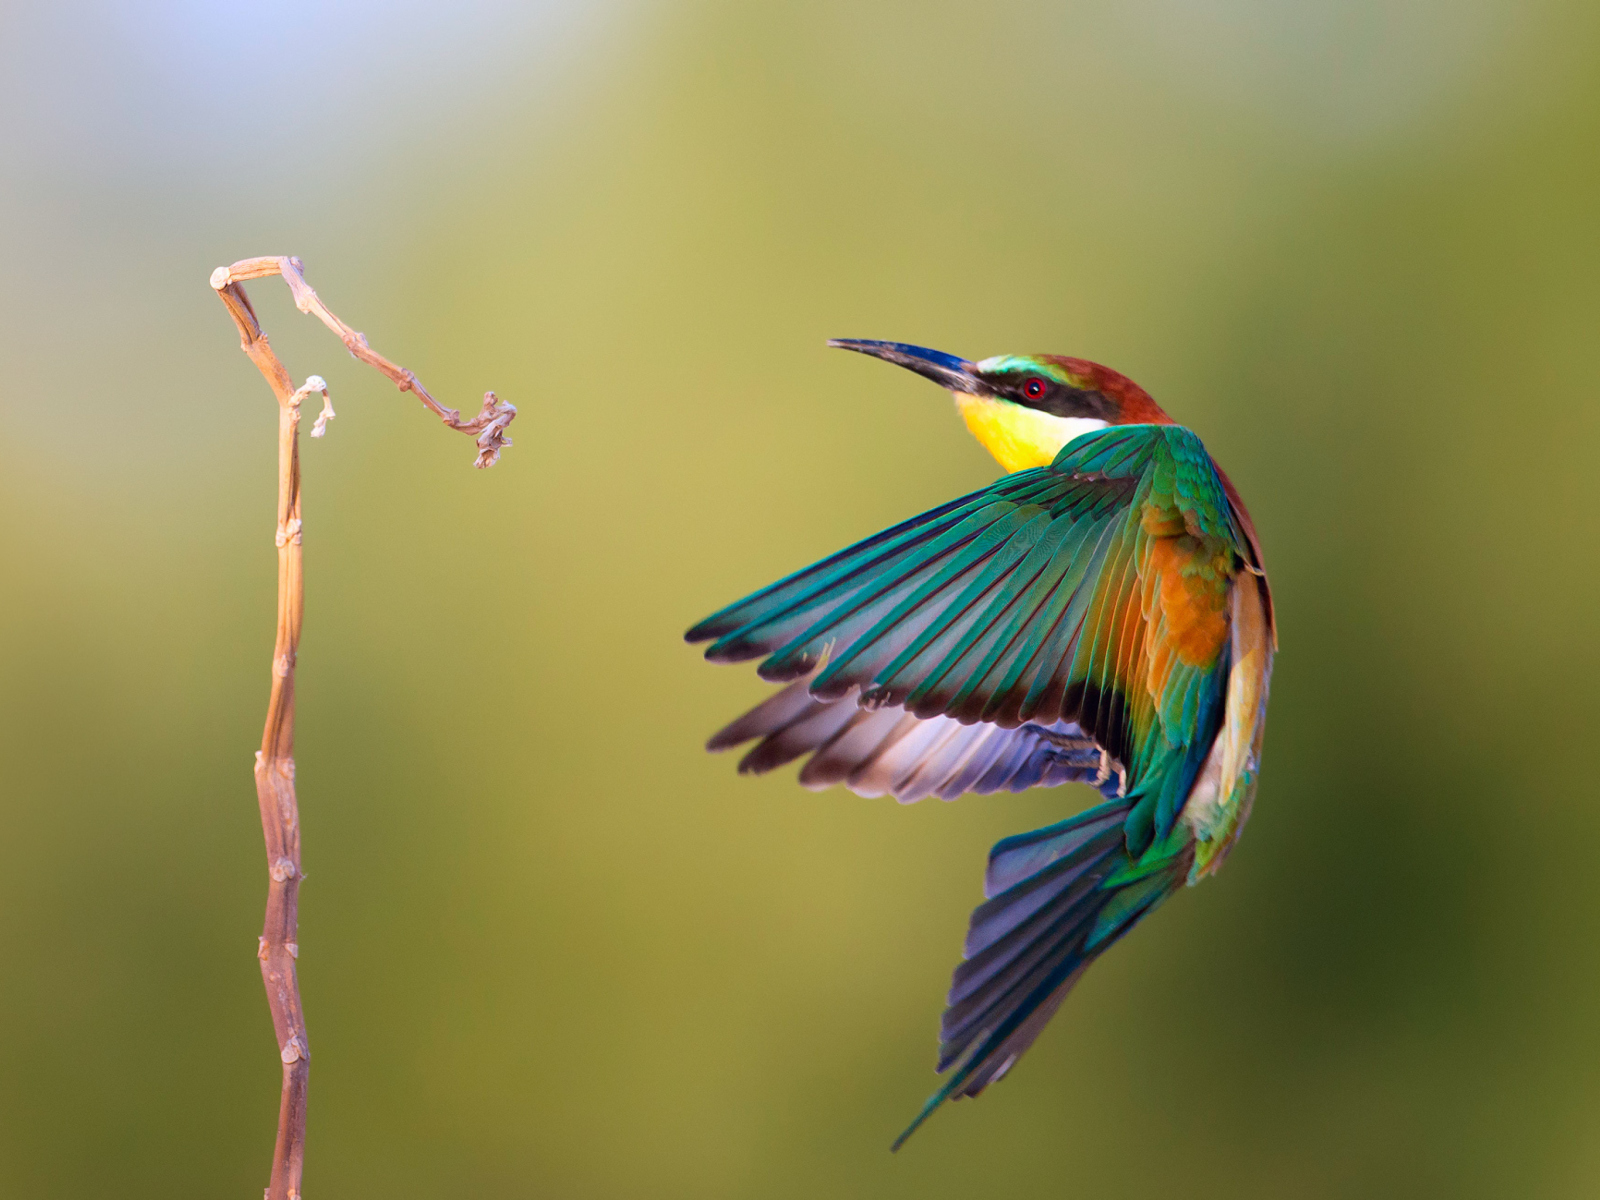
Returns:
(996, 1064)
(1059, 898)
(986, 979)
(1003, 917)
(1020, 857)
(1018, 984)
(1012, 953)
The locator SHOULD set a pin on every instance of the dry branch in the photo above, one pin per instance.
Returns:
(280, 816)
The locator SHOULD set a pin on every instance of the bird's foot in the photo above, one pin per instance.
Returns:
(1108, 766)
(1062, 741)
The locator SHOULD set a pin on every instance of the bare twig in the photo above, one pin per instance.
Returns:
(280, 817)
(488, 427)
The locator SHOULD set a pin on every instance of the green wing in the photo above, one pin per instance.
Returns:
(1092, 591)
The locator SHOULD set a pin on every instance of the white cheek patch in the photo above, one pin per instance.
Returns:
(1072, 427)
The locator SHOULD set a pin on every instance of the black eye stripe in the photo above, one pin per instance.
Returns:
(1057, 399)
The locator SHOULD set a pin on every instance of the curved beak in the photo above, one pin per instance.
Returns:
(947, 370)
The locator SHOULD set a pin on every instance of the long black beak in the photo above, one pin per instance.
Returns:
(948, 371)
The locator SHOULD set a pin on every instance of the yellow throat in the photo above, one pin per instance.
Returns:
(1017, 436)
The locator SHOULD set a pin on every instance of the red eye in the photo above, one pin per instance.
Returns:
(1033, 388)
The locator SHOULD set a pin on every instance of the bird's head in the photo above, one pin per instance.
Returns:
(1025, 408)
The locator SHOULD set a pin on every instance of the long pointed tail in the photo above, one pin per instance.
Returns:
(1059, 898)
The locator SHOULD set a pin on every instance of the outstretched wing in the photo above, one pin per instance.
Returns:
(1090, 593)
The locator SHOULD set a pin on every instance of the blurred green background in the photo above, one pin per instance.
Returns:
(549, 947)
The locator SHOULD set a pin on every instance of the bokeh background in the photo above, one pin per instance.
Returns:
(549, 947)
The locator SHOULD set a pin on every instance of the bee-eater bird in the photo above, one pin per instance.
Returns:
(1099, 615)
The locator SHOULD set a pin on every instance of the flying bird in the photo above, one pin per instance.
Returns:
(1098, 615)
